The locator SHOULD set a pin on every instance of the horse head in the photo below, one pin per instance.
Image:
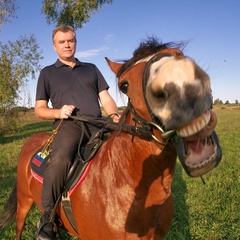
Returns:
(169, 89)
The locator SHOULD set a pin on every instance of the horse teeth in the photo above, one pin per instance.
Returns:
(195, 126)
(206, 162)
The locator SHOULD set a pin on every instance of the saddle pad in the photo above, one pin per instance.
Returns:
(38, 166)
(38, 163)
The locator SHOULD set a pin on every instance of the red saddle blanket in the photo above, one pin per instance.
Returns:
(38, 166)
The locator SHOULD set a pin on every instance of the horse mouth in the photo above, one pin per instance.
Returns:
(200, 156)
(198, 153)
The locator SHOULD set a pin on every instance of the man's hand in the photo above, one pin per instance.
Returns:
(66, 111)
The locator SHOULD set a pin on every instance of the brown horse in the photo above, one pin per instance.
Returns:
(127, 192)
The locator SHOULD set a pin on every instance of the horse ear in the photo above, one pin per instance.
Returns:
(113, 65)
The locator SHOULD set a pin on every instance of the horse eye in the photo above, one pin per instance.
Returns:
(124, 87)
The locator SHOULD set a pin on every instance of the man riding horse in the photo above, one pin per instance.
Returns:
(73, 87)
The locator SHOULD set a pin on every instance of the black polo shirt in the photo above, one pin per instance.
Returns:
(78, 86)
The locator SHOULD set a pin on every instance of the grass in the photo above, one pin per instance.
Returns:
(202, 212)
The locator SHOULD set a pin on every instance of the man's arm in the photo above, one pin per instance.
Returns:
(109, 105)
(43, 111)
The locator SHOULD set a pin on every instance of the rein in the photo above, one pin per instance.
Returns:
(120, 127)
(145, 131)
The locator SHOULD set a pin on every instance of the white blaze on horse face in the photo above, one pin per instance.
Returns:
(171, 70)
(165, 71)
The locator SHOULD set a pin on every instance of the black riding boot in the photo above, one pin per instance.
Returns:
(47, 229)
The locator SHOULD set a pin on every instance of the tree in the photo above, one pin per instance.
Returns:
(217, 101)
(19, 61)
(7, 11)
(71, 12)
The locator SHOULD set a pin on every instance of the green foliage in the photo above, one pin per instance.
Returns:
(71, 12)
(19, 60)
(217, 101)
(7, 11)
(8, 121)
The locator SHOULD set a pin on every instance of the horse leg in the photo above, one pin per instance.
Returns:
(23, 208)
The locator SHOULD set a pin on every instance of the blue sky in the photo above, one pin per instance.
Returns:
(212, 28)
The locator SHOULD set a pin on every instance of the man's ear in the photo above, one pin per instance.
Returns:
(54, 47)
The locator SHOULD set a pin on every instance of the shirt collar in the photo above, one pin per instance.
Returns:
(59, 64)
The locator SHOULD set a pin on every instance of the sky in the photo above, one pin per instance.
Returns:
(212, 28)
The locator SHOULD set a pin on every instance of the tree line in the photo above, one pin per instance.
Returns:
(220, 102)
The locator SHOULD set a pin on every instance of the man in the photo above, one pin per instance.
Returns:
(73, 87)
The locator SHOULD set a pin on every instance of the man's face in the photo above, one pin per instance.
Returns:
(65, 44)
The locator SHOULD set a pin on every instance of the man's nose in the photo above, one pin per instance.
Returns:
(67, 44)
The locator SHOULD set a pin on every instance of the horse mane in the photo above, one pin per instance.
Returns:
(147, 48)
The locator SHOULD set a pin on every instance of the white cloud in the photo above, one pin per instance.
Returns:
(94, 52)
(91, 52)
(87, 53)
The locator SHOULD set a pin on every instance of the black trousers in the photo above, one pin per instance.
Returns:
(64, 149)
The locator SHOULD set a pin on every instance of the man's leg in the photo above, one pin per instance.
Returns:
(64, 148)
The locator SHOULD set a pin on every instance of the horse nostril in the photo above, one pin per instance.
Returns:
(159, 94)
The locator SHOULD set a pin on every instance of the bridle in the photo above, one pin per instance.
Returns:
(155, 123)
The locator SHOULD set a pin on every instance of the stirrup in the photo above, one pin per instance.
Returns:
(47, 234)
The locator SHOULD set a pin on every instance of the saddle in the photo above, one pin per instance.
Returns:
(77, 173)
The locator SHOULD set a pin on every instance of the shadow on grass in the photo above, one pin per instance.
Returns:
(180, 224)
(27, 131)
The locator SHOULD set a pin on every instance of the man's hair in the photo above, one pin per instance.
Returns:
(63, 29)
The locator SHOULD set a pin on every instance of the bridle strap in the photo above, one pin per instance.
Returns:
(155, 58)
(145, 131)
(120, 127)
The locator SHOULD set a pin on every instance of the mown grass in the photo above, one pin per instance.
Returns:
(210, 211)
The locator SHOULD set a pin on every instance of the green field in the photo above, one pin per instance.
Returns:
(210, 211)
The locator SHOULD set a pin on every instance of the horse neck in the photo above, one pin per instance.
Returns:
(143, 162)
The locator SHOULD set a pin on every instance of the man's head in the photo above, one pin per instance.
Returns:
(64, 42)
